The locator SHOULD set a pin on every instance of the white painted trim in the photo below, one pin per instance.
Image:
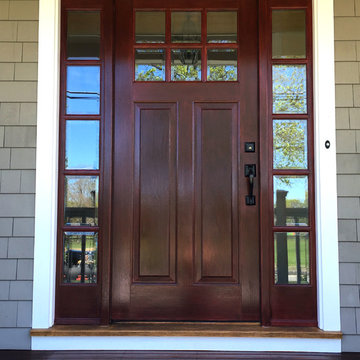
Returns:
(184, 343)
(46, 164)
(325, 167)
(46, 200)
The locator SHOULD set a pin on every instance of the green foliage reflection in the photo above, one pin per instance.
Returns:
(289, 89)
(186, 72)
(222, 73)
(290, 144)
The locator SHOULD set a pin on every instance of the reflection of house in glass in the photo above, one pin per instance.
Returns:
(80, 257)
(81, 200)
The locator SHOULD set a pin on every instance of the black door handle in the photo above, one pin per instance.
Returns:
(250, 172)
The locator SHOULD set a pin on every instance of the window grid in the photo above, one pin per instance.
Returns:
(203, 46)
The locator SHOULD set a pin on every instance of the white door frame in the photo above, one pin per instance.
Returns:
(47, 166)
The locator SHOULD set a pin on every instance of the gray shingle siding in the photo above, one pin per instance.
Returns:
(347, 68)
(18, 83)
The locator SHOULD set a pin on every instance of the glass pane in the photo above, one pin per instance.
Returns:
(150, 65)
(83, 35)
(291, 205)
(288, 34)
(290, 144)
(186, 26)
(83, 90)
(150, 26)
(81, 200)
(222, 26)
(186, 65)
(289, 89)
(80, 257)
(291, 258)
(82, 144)
(222, 65)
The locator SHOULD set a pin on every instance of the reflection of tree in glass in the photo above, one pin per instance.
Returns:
(185, 72)
(290, 144)
(151, 72)
(82, 192)
(289, 89)
(222, 73)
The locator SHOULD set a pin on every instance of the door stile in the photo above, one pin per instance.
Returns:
(107, 161)
(122, 168)
(249, 132)
(264, 149)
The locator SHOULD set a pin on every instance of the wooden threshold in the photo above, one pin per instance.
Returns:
(208, 329)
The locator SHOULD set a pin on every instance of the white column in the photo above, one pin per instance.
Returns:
(46, 164)
(325, 167)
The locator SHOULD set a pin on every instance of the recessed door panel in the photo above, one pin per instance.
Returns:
(155, 189)
(216, 230)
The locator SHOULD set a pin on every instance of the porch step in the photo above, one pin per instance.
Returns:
(208, 329)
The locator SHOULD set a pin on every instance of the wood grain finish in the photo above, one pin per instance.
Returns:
(216, 191)
(187, 329)
(181, 228)
(185, 245)
(176, 240)
(155, 191)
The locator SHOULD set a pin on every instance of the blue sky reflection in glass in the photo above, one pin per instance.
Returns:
(149, 65)
(291, 200)
(82, 144)
(83, 90)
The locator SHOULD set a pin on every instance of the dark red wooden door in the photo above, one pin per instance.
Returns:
(184, 244)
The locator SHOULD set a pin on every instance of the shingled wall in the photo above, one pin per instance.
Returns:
(18, 76)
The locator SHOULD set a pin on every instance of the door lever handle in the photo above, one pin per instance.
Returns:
(250, 172)
(251, 182)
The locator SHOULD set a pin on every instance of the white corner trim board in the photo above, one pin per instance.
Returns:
(325, 167)
(46, 203)
(46, 164)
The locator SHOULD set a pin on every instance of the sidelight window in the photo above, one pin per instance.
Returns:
(195, 46)
(292, 166)
(80, 165)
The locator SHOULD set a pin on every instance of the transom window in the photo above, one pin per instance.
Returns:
(186, 45)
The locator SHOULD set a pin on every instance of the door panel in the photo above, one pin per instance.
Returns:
(216, 230)
(185, 245)
(155, 192)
